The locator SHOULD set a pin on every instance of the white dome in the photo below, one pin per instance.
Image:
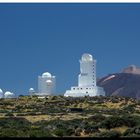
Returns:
(31, 89)
(48, 81)
(87, 57)
(1, 90)
(46, 74)
(8, 94)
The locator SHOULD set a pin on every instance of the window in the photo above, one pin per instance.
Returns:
(86, 92)
(86, 88)
(81, 88)
(73, 88)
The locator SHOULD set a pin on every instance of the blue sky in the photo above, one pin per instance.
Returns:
(35, 38)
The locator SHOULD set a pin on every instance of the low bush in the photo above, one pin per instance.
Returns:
(9, 114)
(110, 134)
(117, 121)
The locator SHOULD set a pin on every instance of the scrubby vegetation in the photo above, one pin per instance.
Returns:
(58, 116)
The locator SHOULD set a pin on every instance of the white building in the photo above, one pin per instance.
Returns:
(86, 80)
(46, 84)
(1, 94)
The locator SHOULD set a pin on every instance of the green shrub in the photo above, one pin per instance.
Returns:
(9, 114)
(59, 132)
(15, 123)
(70, 132)
(39, 133)
(132, 131)
(96, 118)
(89, 128)
(129, 108)
(110, 134)
(117, 121)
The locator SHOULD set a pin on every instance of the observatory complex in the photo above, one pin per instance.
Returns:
(86, 79)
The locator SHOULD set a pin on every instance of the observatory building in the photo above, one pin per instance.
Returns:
(46, 84)
(9, 94)
(1, 94)
(86, 79)
(31, 92)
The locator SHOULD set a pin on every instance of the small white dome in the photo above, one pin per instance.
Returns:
(48, 81)
(87, 57)
(31, 89)
(46, 74)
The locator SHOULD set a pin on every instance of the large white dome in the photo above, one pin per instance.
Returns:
(46, 74)
(87, 57)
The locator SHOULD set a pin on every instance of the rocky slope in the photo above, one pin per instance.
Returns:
(125, 83)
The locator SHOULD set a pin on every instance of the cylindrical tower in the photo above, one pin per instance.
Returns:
(87, 76)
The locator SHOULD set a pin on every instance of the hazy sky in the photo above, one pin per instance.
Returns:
(35, 38)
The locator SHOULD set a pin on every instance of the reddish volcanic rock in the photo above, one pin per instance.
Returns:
(126, 83)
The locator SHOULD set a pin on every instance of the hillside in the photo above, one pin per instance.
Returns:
(126, 83)
(58, 116)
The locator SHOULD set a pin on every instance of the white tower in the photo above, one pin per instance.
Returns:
(87, 77)
(46, 84)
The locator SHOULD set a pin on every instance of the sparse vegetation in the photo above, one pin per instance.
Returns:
(58, 116)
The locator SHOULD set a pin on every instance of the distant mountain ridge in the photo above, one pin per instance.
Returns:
(126, 83)
(133, 69)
